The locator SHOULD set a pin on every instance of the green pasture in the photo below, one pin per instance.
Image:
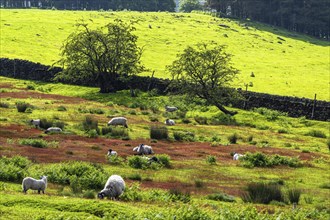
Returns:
(283, 63)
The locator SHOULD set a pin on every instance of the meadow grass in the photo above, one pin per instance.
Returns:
(296, 66)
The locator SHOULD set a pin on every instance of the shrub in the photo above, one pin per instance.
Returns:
(158, 132)
(201, 120)
(271, 115)
(221, 197)
(223, 119)
(282, 131)
(199, 183)
(30, 87)
(153, 118)
(250, 138)
(132, 193)
(44, 123)
(59, 124)
(22, 106)
(211, 160)
(4, 105)
(294, 195)
(164, 160)
(263, 193)
(89, 194)
(61, 108)
(13, 169)
(177, 195)
(115, 160)
(137, 162)
(261, 160)
(118, 132)
(39, 143)
(135, 176)
(184, 136)
(92, 134)
(98, 111)
(316, 133)
(90, 123)
(233, 138)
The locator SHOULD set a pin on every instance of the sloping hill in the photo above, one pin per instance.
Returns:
(283, 63)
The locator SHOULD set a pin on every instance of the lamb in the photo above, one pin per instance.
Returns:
(112, 153)
(170, 108)
(143, 149)
(31, 183)
(169, 122)
(113, 188)
(236, 156)
(35, 122)
(118, 121)
(53, 130)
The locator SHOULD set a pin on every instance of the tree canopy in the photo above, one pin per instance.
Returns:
(102, 55)
(204, 71)
(190, 5)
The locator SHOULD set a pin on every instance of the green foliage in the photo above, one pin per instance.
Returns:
(164, 160)
(328, 143)
(176, 194)
(262, 160)
(263, 193)
(222, 119)
(39, 143)
(4, 105)
(137, 162)
(221, 197)
(22, 106)
(294, 195)
(158, 132)
(135, 176)
(184, 136)
(13, 169)
(30, 87)
(116, 132)
(199, 183)
(45, 123)
(201, 120)
(233, 138)
(61, 108)
(211, 159)
(89, 194)
(270, 115)
(98, 111)
(92, 133)
(190, 5)
(316, 133)
(132, 194)
(115, 160)
(90, 123)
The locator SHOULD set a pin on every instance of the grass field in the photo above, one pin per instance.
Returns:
(180, 191)
(283, 63)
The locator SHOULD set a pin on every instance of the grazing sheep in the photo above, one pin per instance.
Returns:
(112, 153)
(53, 130)
(169, 122)
(170, 108)
(236, 156)
(35, 122)
(143, 149)
(113, 188)
(31, 183)
(118, 121)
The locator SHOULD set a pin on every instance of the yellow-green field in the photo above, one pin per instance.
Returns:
(283, 62)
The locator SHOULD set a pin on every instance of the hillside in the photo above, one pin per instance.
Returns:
(283, 63)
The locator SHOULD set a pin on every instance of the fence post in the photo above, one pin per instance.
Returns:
(314, 104)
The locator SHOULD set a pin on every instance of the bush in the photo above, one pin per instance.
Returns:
(201, 120)
(61, 108)
(223, 119)
(211, 160)
(98, 111)
(221, 197)
(177, 195)
(115, 160)
(4, 105)
(233, 138)
(261, 160)
(316, 133)
(199, 183)
(30, 87)
(45, 124)
(164, 160)
(90, 123)
(92, 134)
(132, 193)
(263, 193)
(137, 162)
(119, 132)
(89, 194)
(158, 132)
(22, 106)
(294, 195)
(270, 115)
(59, 124)
(13, 169)
(184, 136)
(135, 176)
(39, 143)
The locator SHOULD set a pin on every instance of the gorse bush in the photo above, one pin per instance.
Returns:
(221, 197)
(261, 160)
(211, 160)
(164, 160)
(316, 133)
(90, 123)
(13, 169)
(222, 119)
(137, 162)
(22, 106)
(39, 143)
(45, 123)
(233, 138)
(158, 132)
(263, 193)
(184, 136)
(115, 160)
(4, 105)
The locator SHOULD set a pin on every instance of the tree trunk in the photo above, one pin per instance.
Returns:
(224, 110)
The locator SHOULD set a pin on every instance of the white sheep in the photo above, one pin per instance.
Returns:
(112, 153)
(118, 121)
(169, 122)
(143, 149)
(53, 130)
(35, 122)
(171, 108)
(31, 183)
(236, 156)
(113, 188)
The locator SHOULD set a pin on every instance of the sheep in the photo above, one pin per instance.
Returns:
(169, 122)
(143, 149)
(35, 122)
(31, 183)
(118, 121)
(170, 108)
(236, 156)
(113, 188)
(112, 153)
(53, 130)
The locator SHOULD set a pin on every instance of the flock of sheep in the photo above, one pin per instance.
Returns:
(115, 185)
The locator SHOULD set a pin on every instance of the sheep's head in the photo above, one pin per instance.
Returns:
(100, 195)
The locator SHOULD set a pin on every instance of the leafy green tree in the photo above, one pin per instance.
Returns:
(102, 56)
(204, 71)
(190, 5)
